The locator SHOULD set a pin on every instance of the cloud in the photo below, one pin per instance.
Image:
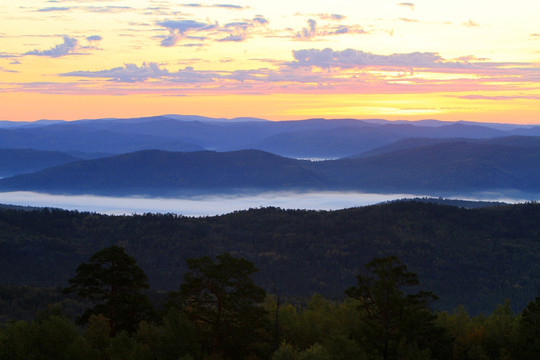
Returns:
(223, 6)
(260, 19)
(341, 30)
(179, 28)
(238, 30)
(350, 58)
(127, 73)
(130, 73)
(234, 38)
(309, 32)
(107, 9)
(94, 38)
(228, 6)
(48, 9)
(407, 4)
(471, 23)
(7, 70)
(499, 98)
(469, 58)
(408, 20)
(333, 17)
(69, 46)
(314, 31)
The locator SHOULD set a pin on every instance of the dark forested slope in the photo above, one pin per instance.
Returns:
(162, 173)
(474, 257)
(440, 169)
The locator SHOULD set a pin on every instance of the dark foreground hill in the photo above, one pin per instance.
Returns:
(473, 257)
(441, 169)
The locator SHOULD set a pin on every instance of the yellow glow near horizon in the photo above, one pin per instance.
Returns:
(429, 59)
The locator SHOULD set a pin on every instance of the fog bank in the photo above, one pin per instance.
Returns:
(197, 206)
(222, 204)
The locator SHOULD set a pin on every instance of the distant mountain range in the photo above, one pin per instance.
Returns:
(179, 154)
(437, 168)
(312, 138)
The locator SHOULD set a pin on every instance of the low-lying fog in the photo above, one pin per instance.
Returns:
(215, 205)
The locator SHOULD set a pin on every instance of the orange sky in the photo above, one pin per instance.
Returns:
(271, 59)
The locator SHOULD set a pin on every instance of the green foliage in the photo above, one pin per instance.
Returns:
(113, 279)
(52, 337)
(177, 337)
(285, 352)
(500, 332)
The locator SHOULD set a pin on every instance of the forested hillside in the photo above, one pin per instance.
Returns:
(477, 258)
(440, 169)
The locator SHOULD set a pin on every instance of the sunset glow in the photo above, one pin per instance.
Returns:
(462, 60)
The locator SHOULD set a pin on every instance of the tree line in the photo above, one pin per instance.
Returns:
(477, 258)
(219, 312)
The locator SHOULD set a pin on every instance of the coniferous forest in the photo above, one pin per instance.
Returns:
(404, 280)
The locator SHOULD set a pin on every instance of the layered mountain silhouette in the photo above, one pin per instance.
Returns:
(15, 161)
(312, 138)
(422, 166)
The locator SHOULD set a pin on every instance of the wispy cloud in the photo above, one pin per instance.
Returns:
(7, 70)
(407, 4)
(133, 73)
(229, 6)
(50, 9)
(471, 24)
(314, 31)
(499, 97)
(68, 47)
(309, 32)
(126, 73)
(107, 9)
(236, 31)
(223, 6)
(94, 38)
(260, 19)
(179, 28)
(314, 70)
(333, 17)
(328, 58)
(408, 20)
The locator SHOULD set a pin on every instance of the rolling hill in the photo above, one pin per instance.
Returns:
(441, 169)
(154, 172)
(477, 258)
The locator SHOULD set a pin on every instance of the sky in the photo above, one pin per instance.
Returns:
(279, 60)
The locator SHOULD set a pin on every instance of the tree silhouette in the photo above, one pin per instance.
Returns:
(114, 282)
(395, 324)
(222, 300)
